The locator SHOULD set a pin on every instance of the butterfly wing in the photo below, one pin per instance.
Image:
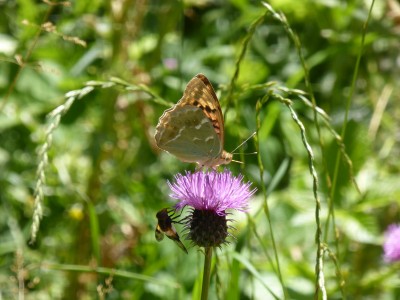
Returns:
(193, 129)
(173, 235)
(187, 133)
(180, 245)
(158, 233)
(200, 93)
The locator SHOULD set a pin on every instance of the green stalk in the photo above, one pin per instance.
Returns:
(206, 273)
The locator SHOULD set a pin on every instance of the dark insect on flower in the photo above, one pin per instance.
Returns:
(210, 194)
(165, 226)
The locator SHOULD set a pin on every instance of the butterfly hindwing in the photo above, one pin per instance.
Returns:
(158, 233)
(188, 134)
(193, 129)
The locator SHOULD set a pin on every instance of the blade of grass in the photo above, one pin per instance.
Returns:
(331, 211)
(104, 271)
(259, 107)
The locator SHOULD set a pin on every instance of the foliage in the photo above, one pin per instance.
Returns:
(82, 86)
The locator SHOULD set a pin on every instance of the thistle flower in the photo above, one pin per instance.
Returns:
(391, 246)
(210, 194)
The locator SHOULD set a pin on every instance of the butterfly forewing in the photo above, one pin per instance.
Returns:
(199, 92)
(189, 135)
(193, 129)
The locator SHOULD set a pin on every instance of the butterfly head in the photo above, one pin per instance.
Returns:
(224, 159)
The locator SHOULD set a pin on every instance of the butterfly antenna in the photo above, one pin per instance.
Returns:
(237, 161)
(251, 153)
(253, 134)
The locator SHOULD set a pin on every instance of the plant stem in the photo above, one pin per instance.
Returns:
(206, 273)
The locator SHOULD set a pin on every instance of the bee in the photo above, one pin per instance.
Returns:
(165, 226)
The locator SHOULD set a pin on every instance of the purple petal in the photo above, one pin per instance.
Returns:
(391, 245)
(211, 191)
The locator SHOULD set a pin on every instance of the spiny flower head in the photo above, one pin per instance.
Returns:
(210, 194)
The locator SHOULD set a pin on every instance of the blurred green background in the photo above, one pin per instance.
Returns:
(126, 62)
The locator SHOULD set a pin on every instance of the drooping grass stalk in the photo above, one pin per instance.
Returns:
(319, 269)
(339, 141)
(22, 61)
(235, 76)
(301, 95)
(264, 192)
(320, 284)
(243, 49)
(276, 91)
(44, 26)
(338, 271)
(331, 210)
(55, 118)
(320, 281)
(346, 116)
(231, 89)
(296, 41)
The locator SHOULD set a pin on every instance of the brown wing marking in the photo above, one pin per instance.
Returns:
(199, 92)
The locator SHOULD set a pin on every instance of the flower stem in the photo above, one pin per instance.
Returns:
(206, 273)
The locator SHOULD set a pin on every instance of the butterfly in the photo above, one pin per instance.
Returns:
(165, 227)
(193, 129)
